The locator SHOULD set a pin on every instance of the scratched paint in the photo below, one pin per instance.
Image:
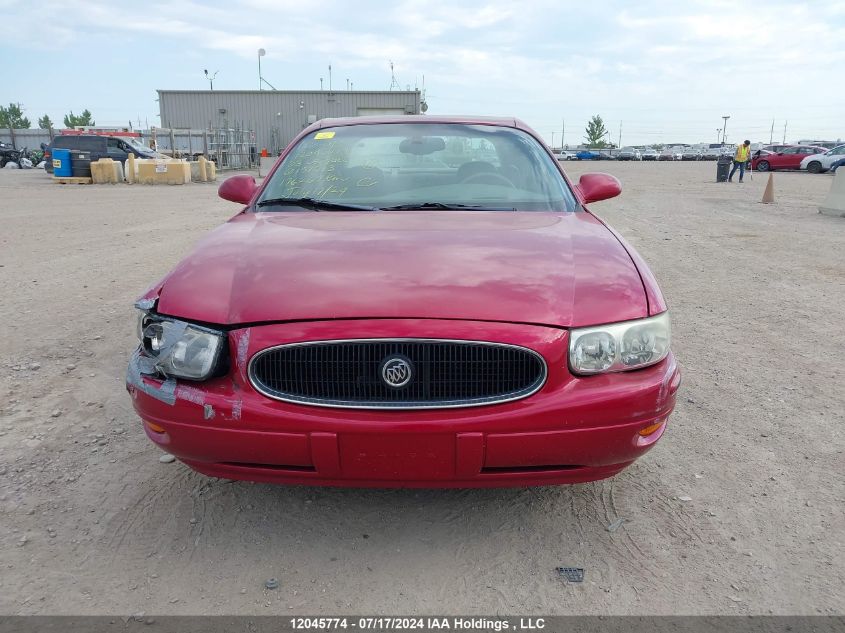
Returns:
(191, 394)
(243, 349)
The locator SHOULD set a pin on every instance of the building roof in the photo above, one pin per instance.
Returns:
(285, 92)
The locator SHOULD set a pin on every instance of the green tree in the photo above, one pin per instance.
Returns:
(45, 123)
(596, 132)
(13, 117)
(76, 120)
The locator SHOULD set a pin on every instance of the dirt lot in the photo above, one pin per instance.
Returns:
(738, 510)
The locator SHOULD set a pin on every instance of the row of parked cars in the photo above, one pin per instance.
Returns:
(812, 158)
(633, 153)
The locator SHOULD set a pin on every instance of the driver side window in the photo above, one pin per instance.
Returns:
(115, 147)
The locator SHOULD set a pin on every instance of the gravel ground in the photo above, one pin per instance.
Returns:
(738, 510)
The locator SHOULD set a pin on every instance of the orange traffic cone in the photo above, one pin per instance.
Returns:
(264, 153)
(769, 193)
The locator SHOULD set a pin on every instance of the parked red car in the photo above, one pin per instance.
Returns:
(409, 301)
(787, 158)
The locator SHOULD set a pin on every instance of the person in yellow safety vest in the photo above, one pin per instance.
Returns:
(742, 156)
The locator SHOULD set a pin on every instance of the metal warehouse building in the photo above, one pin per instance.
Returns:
(276, 116)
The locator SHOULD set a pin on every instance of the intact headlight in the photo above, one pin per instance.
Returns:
(619, 346)
(180, 349)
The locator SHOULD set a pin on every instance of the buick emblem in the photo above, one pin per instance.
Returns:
(396, 371)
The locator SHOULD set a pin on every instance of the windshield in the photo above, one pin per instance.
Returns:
(134, 142)
(407, 164)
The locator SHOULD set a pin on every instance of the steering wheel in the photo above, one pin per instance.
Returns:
(491, 175)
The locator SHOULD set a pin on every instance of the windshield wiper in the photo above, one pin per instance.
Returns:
(314, 204)
(445, 206)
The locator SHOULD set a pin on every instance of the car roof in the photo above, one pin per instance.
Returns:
(421, 118)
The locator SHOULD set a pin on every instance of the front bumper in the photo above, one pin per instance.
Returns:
(574, 429)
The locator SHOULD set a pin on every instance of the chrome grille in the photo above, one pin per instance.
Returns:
(358, 373)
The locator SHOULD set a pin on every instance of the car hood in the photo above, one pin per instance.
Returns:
(554, 269)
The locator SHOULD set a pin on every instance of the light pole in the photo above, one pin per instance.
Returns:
(718, 134)
(261, 53)
(553, 140)
(725, 128)
(211, 78)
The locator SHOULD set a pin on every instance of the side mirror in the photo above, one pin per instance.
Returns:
(595, 187)
(238, 188)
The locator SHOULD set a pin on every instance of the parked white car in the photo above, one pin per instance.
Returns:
(565, 155)
(817, 163)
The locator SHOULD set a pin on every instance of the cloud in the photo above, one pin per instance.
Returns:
(666, 69)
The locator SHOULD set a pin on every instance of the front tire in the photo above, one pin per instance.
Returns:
(814, 167)
(763, 165)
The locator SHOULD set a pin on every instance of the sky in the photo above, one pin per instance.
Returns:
(663, 72)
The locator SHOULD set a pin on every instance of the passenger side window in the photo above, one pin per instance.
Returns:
(89, 144)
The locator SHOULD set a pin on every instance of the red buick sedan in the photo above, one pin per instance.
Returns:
(414, 301)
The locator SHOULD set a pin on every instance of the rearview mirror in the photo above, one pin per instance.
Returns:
(422, 145)
(595, 187)
(238, 188)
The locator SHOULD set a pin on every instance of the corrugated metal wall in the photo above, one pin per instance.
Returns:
(26, 138)
(276, 116)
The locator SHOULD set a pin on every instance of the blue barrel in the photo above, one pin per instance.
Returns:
(62, 167)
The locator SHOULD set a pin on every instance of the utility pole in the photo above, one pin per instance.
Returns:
(393, 82)
(784, 132)
(211, 78)
(261, 53)
(725, 128)
(347, 84)
(772, 133)
(620, 136)
(718, 134)
(330, 77)
(321, 83)
(562, 131)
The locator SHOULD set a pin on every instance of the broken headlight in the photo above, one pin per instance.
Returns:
(181, 349)
(619, 346)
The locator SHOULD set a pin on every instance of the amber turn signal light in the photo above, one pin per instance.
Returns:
(651, 428)
(155, 428)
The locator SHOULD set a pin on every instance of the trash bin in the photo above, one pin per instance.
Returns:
(723, 168)
(80, 163)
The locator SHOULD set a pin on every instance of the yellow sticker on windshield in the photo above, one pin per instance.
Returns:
(322, 135)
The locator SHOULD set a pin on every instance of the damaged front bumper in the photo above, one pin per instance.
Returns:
(574, 429)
